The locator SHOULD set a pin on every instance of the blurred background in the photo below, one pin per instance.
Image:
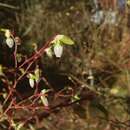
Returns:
(99, 58)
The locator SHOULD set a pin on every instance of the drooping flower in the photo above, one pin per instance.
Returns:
(58, 50)
(10, 42)
(31, 82)
(44, 98)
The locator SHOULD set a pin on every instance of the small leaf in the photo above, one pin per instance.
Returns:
(37, 74)
(62, 39)
(31, 76)
(22, 70)
(7, 33)
(49, 52)
(76, 98)
(58, 50)
(66, 40)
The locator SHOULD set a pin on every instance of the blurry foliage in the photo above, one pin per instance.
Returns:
(101, 54)
(52, 17)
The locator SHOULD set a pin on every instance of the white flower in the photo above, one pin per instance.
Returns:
(44, 98)
(10, 42)
(58, 50)
(31, 82)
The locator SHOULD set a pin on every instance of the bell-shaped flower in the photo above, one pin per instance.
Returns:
(31, 82)
(44, 98)
(10, 42)
(58, 50)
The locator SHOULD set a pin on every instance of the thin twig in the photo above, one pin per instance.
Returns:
(9, 6)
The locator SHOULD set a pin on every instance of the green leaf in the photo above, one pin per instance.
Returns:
(76, 98)
(22, 71)
(49, 52)
(62, 39)
(31, 76)
(37, 74)
(66, 40)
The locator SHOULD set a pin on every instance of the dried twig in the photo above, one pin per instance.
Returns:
(9, 6)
